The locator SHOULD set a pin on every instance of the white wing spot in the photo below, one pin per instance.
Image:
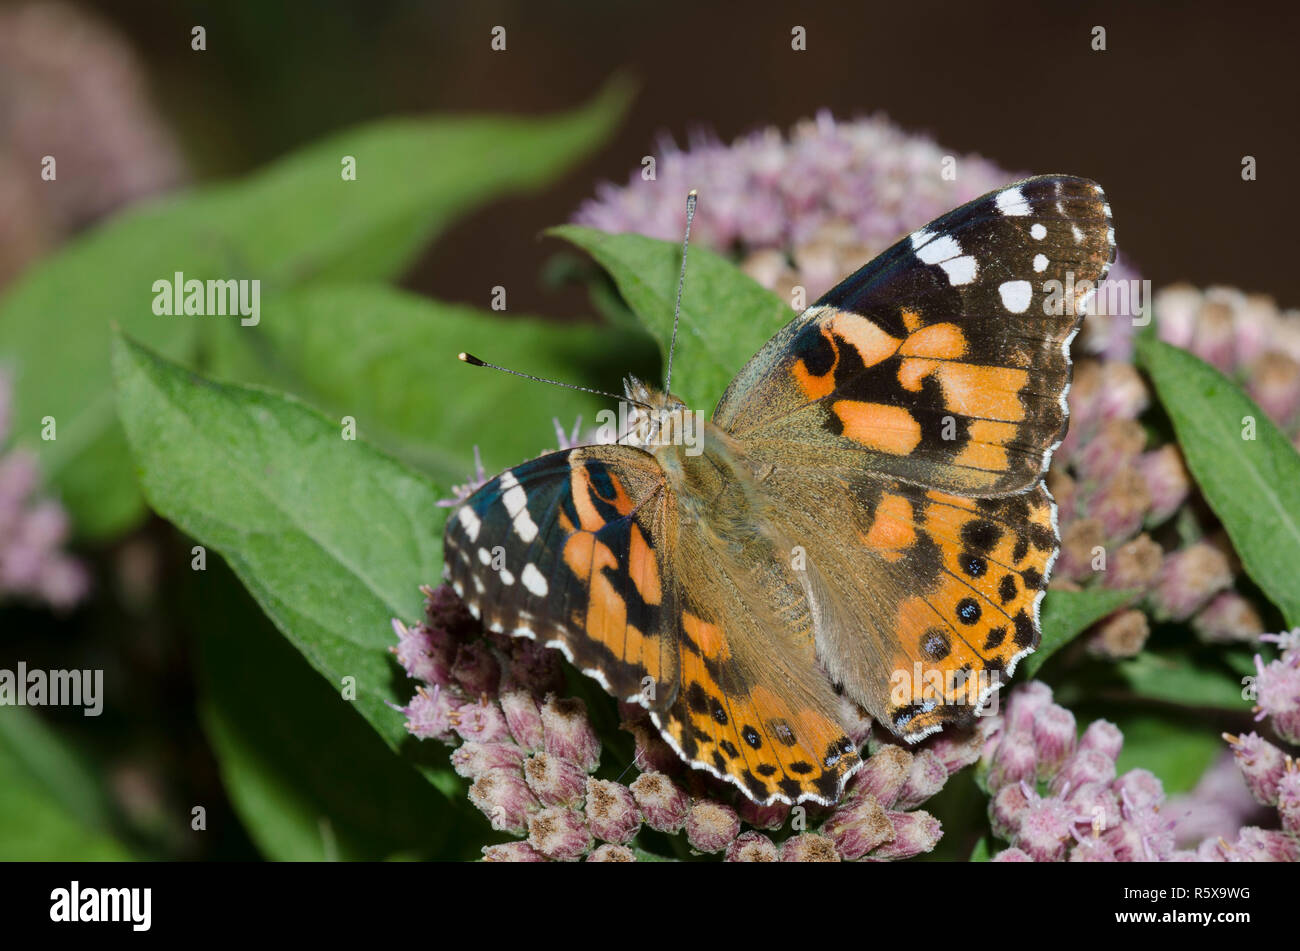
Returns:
(960, 270)
(946, 252)
(1040, 263)
(506, 576)
(533, 580)
(1012, 202)
(1078, 235)
(920, 237)
(941, 249)
(1016, 295)
(515, 500)
(1038, 232)
(469, 521)
(484, 557)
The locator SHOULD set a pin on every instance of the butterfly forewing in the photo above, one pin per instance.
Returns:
(562, 549)
(586, 551)
(944, 361)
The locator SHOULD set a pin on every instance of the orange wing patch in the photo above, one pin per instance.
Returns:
(872, 343)
(643, 568)
(878, 426)
(893, 529)
(980, 614)
(747, 733)
(938, 341)
(986, 392)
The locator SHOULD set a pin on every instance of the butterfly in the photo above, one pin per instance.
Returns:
(863, 519)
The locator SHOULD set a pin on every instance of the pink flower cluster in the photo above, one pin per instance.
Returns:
(1057, 796)
(811, 207)
(33, 530)
(530, 755)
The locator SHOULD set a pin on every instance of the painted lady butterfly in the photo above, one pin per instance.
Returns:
(867, 511)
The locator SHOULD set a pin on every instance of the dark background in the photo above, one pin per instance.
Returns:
(1162, 118)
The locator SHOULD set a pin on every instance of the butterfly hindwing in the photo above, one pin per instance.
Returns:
(943, 362)
(572, 549)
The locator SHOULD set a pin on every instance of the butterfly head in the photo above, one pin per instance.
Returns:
(656, 419)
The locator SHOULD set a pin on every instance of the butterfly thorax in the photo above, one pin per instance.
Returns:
(702, 465)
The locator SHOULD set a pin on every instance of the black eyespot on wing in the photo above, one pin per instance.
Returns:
(719, 714)
(935, 644)
(814, 349)
(781, 730)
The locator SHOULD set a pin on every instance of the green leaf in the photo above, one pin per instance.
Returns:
(983, 850)
(726, 316)
(1180, 677)
(1253, 485)
(331, 537)
(1066, 614)
(52, 805)
(1177, 749)
(307, 775)
(293, 222)
(388, 358)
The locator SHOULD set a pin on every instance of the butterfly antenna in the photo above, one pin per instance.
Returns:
(476, 362)
(681, 282)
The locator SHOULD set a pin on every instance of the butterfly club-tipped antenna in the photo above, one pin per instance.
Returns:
(691, 199)
(476, 362)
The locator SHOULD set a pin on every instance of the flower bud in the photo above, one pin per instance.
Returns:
(504, 797)
(924, 779)
(858, 827)
(914, 833)
(809, 847)
(568, 733)
(710, 826)
(559, 833)
(752, 847)
(555, 781)
(1261, 764)
(661, 802)
(523, 719)
(611, 853)
(611, 811)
